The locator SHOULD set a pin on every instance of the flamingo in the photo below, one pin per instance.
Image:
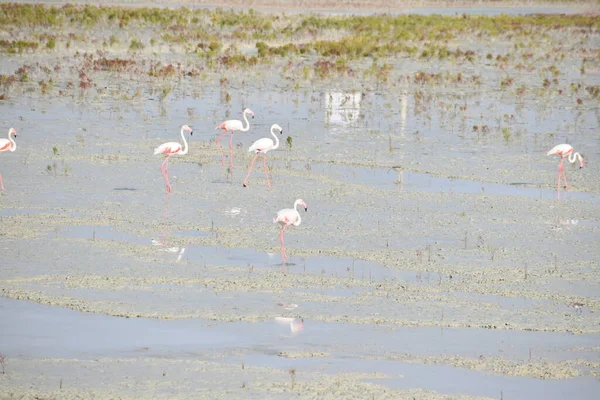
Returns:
(263, 146)
(169, 149)
(564, 150)
(8, 145)
(287, 217)
(233, 125)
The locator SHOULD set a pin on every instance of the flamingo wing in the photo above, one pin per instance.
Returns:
(561, 150)
(286, 216)
(262, 145)
(168, 148)
(231, 125)
(4, 144)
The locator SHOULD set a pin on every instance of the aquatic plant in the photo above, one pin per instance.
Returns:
(506, 82)
(159, 71)
(292, 373)
(165, 92)
(45, 86)
(593, 90)
(136, 45)
(113, 64)
(51, 42)
(17, 46)
(85, 81)
(237, 60)
(112, 40)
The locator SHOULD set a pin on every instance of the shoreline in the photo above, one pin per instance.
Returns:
(348, 6)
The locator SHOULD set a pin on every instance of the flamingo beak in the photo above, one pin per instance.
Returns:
(191, 133)
(305, 209)
(281, 132)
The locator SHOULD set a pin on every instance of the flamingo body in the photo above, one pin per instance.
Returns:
(172, 148)
(263, 146)
(5, 144)
(287, 217)
(232, 126)
(565, 151)
(168, 148)
(8, 145)
(561, 150)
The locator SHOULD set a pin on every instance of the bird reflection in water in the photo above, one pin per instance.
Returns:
(296, 324)
(163, 241)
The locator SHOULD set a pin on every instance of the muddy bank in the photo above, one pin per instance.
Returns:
(358, 6)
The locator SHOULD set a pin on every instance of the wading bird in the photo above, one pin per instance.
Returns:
(233, 125)
(287, 217)
(8, 145)
(565, 150)
(171, 148)
(263, 146)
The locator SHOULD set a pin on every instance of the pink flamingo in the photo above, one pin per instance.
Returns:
(8, 145)
(287, 217)
(263, 146)
(169, 149)
(564, 150)
(233, 125)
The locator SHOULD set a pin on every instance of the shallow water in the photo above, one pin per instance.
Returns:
(434, 246)
(36, 331)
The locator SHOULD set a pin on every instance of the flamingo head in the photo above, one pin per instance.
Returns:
(249, 111)
(581, 161)
(12, 131)
(277, 127)
(187, 128)
(303, 204)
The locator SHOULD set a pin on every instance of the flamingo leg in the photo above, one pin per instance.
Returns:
(221, 148)
(565, 179)
(283, 255)
(249, 169)
(162, 172)
(558, 184)
(561, 172)
(165, 172)
(231, 150)
(266, 171)
(1, 183)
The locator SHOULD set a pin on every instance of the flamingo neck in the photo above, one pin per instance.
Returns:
(573, 157)
(185, 143)
(276, 142)
(13, 144)
(247, 123)
(299, 218)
